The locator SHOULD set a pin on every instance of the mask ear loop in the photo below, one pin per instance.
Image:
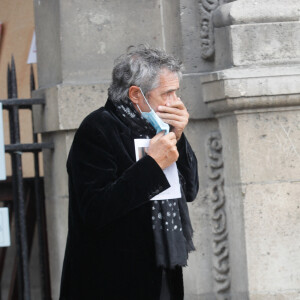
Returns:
(145, 100)
(139, 108)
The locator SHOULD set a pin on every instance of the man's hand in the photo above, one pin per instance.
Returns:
(163, 150)
(176, 115)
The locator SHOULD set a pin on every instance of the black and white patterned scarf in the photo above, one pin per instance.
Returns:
(171, 223)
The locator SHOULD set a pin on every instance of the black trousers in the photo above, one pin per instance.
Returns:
(171, 284)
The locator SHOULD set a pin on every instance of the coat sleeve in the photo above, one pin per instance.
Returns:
(99, 192)
(187, 166)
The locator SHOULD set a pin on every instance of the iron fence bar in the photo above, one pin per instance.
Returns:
(15, 149)
(41, 215)
(9, 91)
(28, 147)
(42, 234)
(14, 178)
(21, 107)
(19, 207)
(26, 102)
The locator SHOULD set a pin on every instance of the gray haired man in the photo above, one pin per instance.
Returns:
(122, 243)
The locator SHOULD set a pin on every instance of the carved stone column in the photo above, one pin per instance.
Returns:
(218, 217)
(255, 96)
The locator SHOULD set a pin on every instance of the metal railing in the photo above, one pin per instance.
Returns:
(20, 283)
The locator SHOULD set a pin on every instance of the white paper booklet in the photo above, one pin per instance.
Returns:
(171, 172)
(2, 149)
(4, 227)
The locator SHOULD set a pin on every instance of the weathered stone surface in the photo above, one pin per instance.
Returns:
(257, 33)
(56, 193)
(262, 192)
(198, 277)
(47, 21)
(263, 11)
(266, 43)
(170, 14)
(255, 87)
(257, 105)
(249, 204)
(234, 207)
(191, 95)
(217, 202)
(271, 139)
(191, 40)
(91, 34)
(67, 105)
(261, 155)
(285, 295)
(272, 214)
(252, 44)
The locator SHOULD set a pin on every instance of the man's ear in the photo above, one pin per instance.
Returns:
(134, 94)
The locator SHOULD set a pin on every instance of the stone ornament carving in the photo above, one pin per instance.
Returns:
(216, 197)
(206, 27)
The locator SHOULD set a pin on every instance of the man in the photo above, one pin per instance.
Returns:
(121, 244)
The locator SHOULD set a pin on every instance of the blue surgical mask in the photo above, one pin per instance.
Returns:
(154, 119)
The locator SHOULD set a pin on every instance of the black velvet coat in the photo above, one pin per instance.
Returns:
(110, 250)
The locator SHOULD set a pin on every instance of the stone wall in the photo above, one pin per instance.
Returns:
(241, 87)
(255, 96)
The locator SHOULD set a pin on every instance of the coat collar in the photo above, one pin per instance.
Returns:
(125, 112)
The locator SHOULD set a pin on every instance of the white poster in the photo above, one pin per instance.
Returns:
(2, 150)
(32, 52)
(4, 227)
(171, 172)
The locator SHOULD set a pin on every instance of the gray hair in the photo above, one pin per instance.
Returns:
(140, 66)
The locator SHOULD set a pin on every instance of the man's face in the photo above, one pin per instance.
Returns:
(164, 93)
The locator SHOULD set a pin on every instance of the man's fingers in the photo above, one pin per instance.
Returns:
(177, 104)
(173, 123)
(157, 137)
(165, 116)
(172, 110)
(171, 135)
